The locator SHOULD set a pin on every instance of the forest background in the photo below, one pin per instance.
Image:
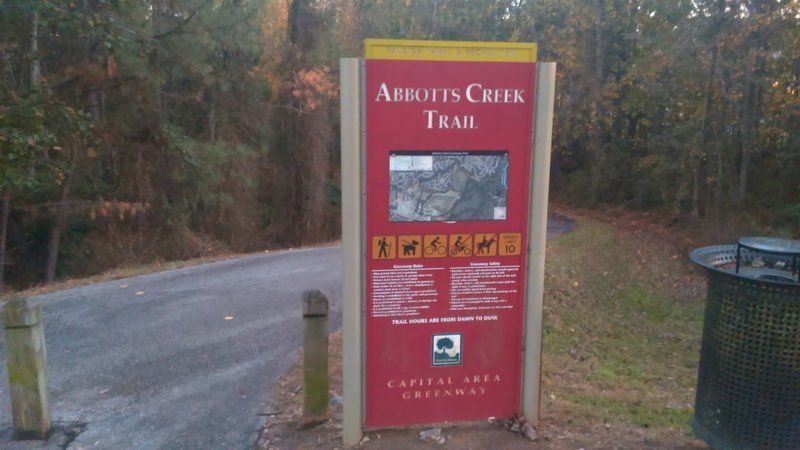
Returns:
(142, 130)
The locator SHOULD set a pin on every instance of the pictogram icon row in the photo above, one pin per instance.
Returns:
(459, 245)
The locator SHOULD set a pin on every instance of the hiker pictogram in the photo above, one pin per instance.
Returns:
(435, 245)
(510, 244)
(384, 247)
(410, 246)
(485, 244)
(460, 245)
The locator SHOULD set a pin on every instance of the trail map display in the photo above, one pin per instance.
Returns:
(447, 186)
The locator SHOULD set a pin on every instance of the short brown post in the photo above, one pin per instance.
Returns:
(27, 369)
(315, 356)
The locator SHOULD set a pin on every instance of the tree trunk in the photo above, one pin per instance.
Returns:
(58, 227)
(4, 213)
(718, 193)
(158, 9)
(751, 100)
(695, 164)
(596, 139)
(212, 115)
(92, 97)
(747, 141)
(721, 4)
(434, 21)
(143, 197)
(36, 72)
(704, 140)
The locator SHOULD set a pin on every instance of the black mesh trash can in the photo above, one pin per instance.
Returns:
(748, 386)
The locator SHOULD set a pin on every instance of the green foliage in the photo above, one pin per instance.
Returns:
(200, 173)
(157, 116)
(147, 115)
(35, 132)
(24, 141)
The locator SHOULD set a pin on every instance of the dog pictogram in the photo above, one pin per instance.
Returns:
(410, 246)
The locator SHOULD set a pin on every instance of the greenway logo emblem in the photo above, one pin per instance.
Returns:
(446, 349)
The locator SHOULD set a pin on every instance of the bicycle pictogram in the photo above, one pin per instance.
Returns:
(435, 245)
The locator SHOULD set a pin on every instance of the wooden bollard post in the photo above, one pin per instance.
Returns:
(315, 356)
(26, 361)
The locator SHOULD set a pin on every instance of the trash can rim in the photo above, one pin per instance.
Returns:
(703, 257)
(776, 246)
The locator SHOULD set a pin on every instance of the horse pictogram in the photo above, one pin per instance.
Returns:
(486, 244)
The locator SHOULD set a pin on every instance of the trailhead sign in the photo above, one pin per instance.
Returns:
(445, 170)
(448, 157)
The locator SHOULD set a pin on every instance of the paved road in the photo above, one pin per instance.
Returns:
(164, 369)
(156, 365)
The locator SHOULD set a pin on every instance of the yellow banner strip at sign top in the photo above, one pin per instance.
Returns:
(449, 50)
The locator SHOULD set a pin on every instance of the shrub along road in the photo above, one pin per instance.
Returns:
(181, 359)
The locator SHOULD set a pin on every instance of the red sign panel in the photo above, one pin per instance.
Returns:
(448, 163)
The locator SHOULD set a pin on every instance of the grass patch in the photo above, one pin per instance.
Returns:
(620, 345)
(636, 413)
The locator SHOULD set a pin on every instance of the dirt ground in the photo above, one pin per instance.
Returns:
(586, 402)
